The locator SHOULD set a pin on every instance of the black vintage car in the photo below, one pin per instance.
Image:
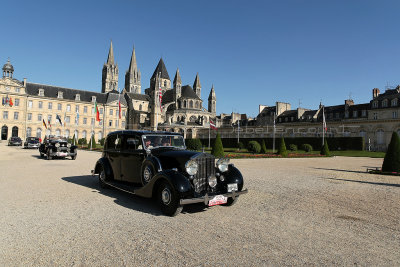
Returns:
(55, 146)
(15, 141)
(157, 164)
(32, 142)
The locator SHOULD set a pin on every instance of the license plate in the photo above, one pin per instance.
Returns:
(218, 200)
(61, 154)
(232, 187)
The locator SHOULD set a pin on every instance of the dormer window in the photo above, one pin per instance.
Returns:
(78, 97)
(385, 103)
(375, 104)
(41, 92)
(60, 94)
(93, 99)
(394, 102)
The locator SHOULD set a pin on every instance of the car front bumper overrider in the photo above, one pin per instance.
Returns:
(207, 197)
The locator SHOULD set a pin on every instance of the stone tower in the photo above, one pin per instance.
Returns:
(160, 77)
(212, 101)
(110, 73)
(177, 87)
(8, 70)
(132, 76)
(197, 86)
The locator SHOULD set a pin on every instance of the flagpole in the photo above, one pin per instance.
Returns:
(209, 135)
(273, 142)
(238, 131)
(323, 126)
(119, 95)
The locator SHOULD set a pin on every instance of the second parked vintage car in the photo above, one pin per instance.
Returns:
(32, 142)
(55, 146)
(156, 164)
(15, 141)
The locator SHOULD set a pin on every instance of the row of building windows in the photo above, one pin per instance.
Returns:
(68, 108)
(17, 89)
(385, 103)
(66, 133)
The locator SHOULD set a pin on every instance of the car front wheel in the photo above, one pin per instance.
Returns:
(102, 178)
(168, 200)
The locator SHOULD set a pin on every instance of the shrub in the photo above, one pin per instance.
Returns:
(240, 145)
(194, 144)
(254, 147)
(307, 147)
(263, 147)
(282, 148)
(293, 147)
(325, 149)
(391, 162)
(101, 141)
(218, 149)
(92, 142)
(82, 141)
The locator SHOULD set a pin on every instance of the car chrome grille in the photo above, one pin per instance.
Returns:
(206, 168)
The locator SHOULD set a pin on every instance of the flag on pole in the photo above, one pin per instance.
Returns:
(212, 125)
(77, 118)
(11, 102)
(3, 101)
(324, 121)
(160, 95)
(59, 119)
(48, 122)
(96, 109)
(44, 123)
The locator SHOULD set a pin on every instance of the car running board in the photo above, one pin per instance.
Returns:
(121, 186)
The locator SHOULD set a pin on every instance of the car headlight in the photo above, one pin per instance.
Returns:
(68, 145)
(212, 181)
(222, 164)
(191, 167)
(57, 145)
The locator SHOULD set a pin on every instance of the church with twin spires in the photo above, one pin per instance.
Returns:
(165, 105)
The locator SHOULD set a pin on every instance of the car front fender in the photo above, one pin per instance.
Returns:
(233, 175)
(106, 165)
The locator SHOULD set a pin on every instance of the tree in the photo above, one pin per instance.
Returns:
(282, 148)
(391, 163)
(92, 142)
(74, 140)
(218, 149)
(325, 149)
(263, 147)
(254, 147)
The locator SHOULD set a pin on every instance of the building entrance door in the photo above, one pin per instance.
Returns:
(4, 132)
(14, 132)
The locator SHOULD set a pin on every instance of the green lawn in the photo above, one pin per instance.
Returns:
(357, 153)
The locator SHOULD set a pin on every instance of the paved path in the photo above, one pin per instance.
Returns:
(323, 211)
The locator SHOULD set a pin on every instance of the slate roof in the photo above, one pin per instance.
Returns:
(69, 94)
(188, 92)
(168, 97)
(139, 97)
(161, 68)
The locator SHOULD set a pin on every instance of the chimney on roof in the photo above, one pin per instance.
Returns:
(349, 102)
(375, 93)
(24, 82)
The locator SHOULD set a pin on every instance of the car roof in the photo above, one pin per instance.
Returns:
(123, 132)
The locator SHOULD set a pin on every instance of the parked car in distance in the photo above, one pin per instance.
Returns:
(32, 142)
(15, 141)
(56, 146)
(157, 164)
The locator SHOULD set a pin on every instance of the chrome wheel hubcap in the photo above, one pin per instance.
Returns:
(147, 174)
(166, 196)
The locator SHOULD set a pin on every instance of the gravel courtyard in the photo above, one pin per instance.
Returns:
(319, 211)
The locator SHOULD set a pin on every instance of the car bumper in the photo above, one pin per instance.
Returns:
(32, 146)
(205, 199)
(62, 154)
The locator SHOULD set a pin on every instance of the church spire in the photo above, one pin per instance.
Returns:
(177, 78)
(212, 101)
(197, 86)
(132, 65)
(110, 58)
(132, 76)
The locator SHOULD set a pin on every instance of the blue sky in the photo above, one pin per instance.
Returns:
(254, 52)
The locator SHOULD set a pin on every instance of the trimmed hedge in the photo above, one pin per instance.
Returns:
(218, 149)
(334, 143)
(254, 147)
(391, 163)
(193, 144)
(307, 147)
(293, 147)
(282, 148)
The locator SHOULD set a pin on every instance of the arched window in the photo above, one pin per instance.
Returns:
(58, 132)
(394, 102)
(48, 132)
(99, 136)
(385, 103)
(380, 137)
(140, 107)
(67, 133)
(179, 104)
(28, 132)
(191, 104)
(165, 83)
(76, 134)
(184, 103)
(39, 133)
(84, 134)
(197, 104)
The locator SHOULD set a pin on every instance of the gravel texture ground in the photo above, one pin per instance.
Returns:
(319, 211)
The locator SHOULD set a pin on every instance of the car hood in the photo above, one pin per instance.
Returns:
(173, 158)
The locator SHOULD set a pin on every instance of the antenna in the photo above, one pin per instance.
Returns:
(350, 96)
(300, 103)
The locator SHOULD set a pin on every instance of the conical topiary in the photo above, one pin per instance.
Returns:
(218, 149)
(282, 148)
(325, 149)
(92, 143)
(391, 163)
(74, 140)
(263, 147)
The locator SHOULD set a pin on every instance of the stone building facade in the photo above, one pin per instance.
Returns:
(31, 109)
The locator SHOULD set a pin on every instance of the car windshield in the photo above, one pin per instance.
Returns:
(163, 140)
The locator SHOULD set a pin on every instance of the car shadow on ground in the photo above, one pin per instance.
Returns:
(339, 170)
(125, 199)
(363, 182)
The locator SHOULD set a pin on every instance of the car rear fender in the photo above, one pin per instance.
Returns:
(103, 162)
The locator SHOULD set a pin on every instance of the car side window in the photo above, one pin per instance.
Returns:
(131, 143)
(118, 143)
(111, 142)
